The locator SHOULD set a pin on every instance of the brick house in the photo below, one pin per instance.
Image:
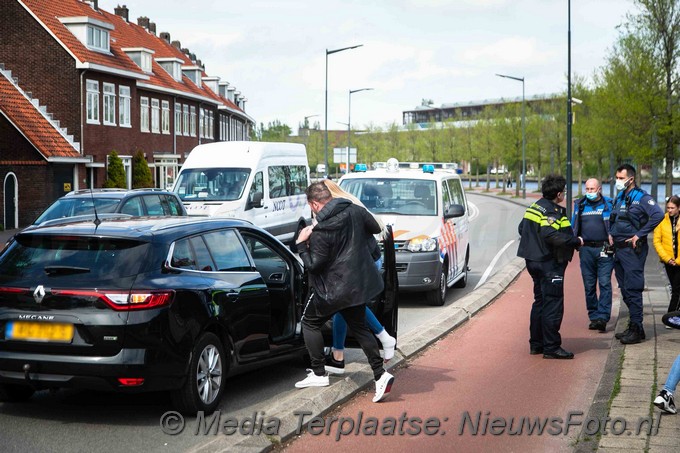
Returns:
(108, 85)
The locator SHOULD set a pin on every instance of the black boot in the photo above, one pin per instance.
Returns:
(634, 335)
(620, 335)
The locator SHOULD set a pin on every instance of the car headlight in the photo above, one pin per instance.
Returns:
(422, 245)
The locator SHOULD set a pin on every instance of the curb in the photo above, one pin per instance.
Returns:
(358, 376)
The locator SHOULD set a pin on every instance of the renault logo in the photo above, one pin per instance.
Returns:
(39, 293)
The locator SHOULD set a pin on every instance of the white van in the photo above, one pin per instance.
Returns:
(427, 209)
(261, 182)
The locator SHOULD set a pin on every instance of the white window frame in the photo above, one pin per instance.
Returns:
(109, 95)
(92, 103)
(155, 116)
(185, 119)
(193, 121)
(201, 122)
(144, 114)
(211, 124)
(97, 38)
(124, 106)
(178, 118)
(165, 117)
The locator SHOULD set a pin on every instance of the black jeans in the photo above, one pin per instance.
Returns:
(548, 307)
(673, 273)
(356, 320)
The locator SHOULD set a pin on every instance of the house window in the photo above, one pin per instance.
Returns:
(193, 121)
(93, 102)
(109, 104)
(155, 116)
(186, 119)
(124, 106)
(165, 117)
(97, 38)
(211, 125)
(144, 114)
(178, 118)
(201, 122)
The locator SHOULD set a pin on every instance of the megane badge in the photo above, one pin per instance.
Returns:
(39, 293)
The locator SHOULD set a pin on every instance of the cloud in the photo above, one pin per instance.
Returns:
(513, 51)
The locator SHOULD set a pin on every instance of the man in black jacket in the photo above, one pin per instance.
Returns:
(343, 277)
(547, 244)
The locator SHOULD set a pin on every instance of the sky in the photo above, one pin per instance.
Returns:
(274, 51)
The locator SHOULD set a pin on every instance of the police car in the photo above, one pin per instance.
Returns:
(428, 212)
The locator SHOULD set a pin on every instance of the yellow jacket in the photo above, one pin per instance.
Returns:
(663, 239)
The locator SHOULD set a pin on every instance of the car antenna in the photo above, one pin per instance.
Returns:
(97, 221)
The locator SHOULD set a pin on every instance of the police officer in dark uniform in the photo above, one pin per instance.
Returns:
(590, 220)
(547, 244)
(634, 216)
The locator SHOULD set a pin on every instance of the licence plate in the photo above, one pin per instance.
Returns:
(39, 331)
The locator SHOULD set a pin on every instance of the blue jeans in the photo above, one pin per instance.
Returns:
(596, 269)
(340, 326)
(673, 376)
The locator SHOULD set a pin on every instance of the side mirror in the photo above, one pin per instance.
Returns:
(454, 210)
(256, 201)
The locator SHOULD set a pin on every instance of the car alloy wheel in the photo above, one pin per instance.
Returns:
(209, 374)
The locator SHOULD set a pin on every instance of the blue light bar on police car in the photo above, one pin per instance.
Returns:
(428, 168)
(360, 167)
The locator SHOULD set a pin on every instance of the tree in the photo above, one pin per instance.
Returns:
(274, 132)
(115, 173)
(141, 174)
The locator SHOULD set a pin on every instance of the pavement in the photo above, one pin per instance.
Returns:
(606, 379)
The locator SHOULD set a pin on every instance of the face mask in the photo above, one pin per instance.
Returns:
(592, 196)
(620, 185)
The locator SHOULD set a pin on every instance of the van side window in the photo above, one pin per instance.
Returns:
(258, 185)
(298, 179)
(278, 181)
(456, 190)
(446, 198)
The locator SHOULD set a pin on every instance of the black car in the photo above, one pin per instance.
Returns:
(134, 203)
(146, 304)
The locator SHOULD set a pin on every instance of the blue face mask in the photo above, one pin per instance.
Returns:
(592, 196)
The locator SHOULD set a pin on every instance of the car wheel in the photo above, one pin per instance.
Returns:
(204, 385)
(462, 283)
(437, 297)
(10, 393)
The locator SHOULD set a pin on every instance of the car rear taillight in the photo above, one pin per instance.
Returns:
(131, 382)
(123, 301)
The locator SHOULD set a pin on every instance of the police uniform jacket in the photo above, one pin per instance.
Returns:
(590, 219)
(341, 269)
(546, 233)
(663, 239)
(635, 214)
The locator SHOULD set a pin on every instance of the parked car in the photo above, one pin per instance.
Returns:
(134, 202)
(131, 305)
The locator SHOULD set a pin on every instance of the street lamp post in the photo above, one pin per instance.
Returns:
(569, 115)
(329, 52)
(349, 122)
(523, 179)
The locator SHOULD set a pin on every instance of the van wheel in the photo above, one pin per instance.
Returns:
(11, 393)
(437, 297)
(204, 385)
(462, 283)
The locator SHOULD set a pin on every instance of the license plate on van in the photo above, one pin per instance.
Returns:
(39, 331)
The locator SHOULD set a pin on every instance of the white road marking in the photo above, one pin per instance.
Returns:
(493, 263)
(474, 211)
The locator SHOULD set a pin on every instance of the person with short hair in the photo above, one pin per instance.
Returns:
(635, 214)
(343, 277)
(590, 220)
(547, 244)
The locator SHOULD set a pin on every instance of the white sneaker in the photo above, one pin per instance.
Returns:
(665, 402)
(383, 386)
(312, 380)
(388, 347)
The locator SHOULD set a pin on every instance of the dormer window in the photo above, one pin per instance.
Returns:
(172, 66)
(93, 33)
(212, 83)
(193, 73)
(141, 56)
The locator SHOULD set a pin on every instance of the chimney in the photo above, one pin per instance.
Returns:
(152, 27)
(123, 12)
(94, 4)
(192, 57)
(165, 36)
(177, 45)
(143, 22)
(199, 64)
(185, 51)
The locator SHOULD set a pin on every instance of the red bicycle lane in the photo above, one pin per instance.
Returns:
(480, 377)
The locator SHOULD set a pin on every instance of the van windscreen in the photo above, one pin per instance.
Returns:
(211, 184)
(413, 197)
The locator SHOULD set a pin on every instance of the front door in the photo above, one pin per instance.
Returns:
(11, 209)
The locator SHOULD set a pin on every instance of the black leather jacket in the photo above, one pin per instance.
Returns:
(338, 259)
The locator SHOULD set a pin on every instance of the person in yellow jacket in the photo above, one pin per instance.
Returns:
(666, 243)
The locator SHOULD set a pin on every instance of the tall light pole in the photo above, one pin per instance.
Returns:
(349, 122)
(523, 178)
(569, 115)
(329, 52)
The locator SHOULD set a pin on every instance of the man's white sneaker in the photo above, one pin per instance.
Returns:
(388, 347)
(312, 380)
(383, 386)
(665, 402)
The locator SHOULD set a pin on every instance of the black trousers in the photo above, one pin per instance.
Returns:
(548, 307)
(312, 322)
(673, 273)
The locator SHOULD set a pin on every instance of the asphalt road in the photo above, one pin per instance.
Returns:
(70, 420)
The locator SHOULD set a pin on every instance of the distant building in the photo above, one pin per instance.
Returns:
(78, 82)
